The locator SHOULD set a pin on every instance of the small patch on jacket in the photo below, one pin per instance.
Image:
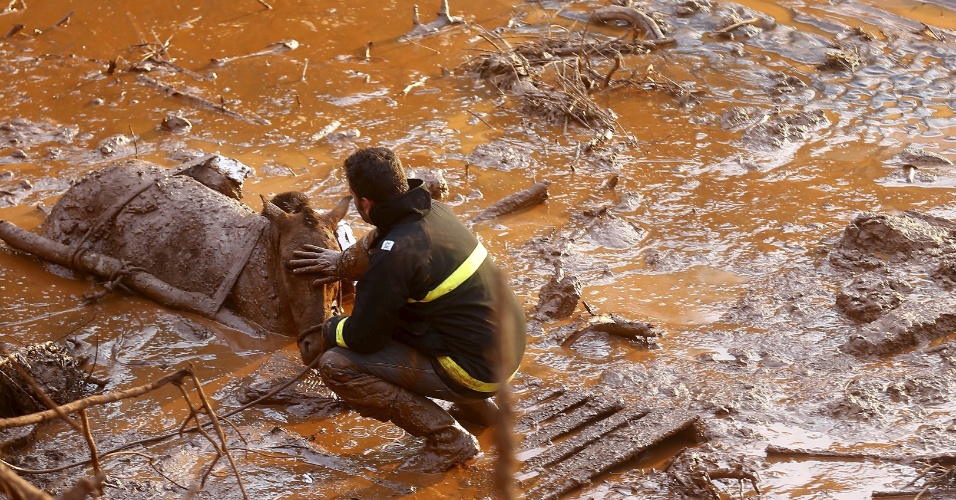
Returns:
(387, 244)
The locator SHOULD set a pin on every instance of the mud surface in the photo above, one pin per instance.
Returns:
(765, 186)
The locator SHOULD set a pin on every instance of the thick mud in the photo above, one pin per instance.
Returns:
(748, 217)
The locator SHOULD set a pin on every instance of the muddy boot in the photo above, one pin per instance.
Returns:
(480, 413)
(447, 444)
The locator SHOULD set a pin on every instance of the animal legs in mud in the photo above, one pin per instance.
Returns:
(106, 267)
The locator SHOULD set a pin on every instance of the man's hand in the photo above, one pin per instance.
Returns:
(316, 260)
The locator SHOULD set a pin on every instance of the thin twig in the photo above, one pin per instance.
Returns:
(617, 66)
(492, 127)
(728, 29)
(107, 398)
(88, 435)
(222, 434)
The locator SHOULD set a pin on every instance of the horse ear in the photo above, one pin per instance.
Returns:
(336, 214)
(271, 211)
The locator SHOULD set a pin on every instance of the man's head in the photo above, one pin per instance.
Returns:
(374, 175)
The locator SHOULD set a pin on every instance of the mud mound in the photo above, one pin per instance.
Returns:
(873, 240)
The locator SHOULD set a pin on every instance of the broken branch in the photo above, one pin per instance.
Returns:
(82, 404)
(201, 102)
(631, 16)
(274, 48)
(727, 29)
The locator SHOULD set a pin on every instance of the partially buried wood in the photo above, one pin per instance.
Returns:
(592, 410)
(597, 444)
(549, 409)
(522, 200)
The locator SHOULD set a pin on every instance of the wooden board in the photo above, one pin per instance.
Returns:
(577, 436)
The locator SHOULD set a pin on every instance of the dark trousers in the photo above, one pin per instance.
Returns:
(398, 364)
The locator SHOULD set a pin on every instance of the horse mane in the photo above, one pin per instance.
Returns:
(293, 202)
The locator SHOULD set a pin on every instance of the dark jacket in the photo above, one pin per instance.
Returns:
(422, 246)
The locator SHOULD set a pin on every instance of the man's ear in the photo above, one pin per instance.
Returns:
(365, 204)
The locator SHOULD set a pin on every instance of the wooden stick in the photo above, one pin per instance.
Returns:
(15, 487)
(728, 29)
(617, 66)
(861, 455)
(82, 404)
(201, 101)
(13, 30)
(88, 435)
(215, 423)
(492, 127)
(161, 437)
(630, 15)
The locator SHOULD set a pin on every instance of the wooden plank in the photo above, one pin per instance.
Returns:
(538, 415)
(539, 396)
(564, 423)
(580, 440)
(621, 445)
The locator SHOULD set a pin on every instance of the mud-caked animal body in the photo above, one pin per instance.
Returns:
(199, 240)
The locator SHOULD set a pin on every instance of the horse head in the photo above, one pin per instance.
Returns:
(296, 224)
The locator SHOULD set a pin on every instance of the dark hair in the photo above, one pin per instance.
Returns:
(376, 174)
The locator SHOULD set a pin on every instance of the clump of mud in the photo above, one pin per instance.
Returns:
(55, 371)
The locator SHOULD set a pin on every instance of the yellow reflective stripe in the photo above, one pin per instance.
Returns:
(464, 271)
(339, 339)
(462, 377)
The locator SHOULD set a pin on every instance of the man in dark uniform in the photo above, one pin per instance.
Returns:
(432, 316)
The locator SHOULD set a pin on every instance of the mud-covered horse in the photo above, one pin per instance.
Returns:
(208, 252)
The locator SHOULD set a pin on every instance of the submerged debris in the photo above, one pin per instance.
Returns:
(522, 200)
(559, 298)
(613, 324)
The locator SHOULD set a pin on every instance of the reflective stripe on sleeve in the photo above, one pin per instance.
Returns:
(339, 339)
(464, 271)
(462, 377)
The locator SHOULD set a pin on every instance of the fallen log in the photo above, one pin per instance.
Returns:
(111, 268)
(517, 202)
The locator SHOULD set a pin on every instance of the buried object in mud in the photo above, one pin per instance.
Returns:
(227, 260)
(522, 200)
(613, 324)
(598, 431)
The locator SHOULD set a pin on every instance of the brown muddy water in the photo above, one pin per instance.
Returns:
(717, 224)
